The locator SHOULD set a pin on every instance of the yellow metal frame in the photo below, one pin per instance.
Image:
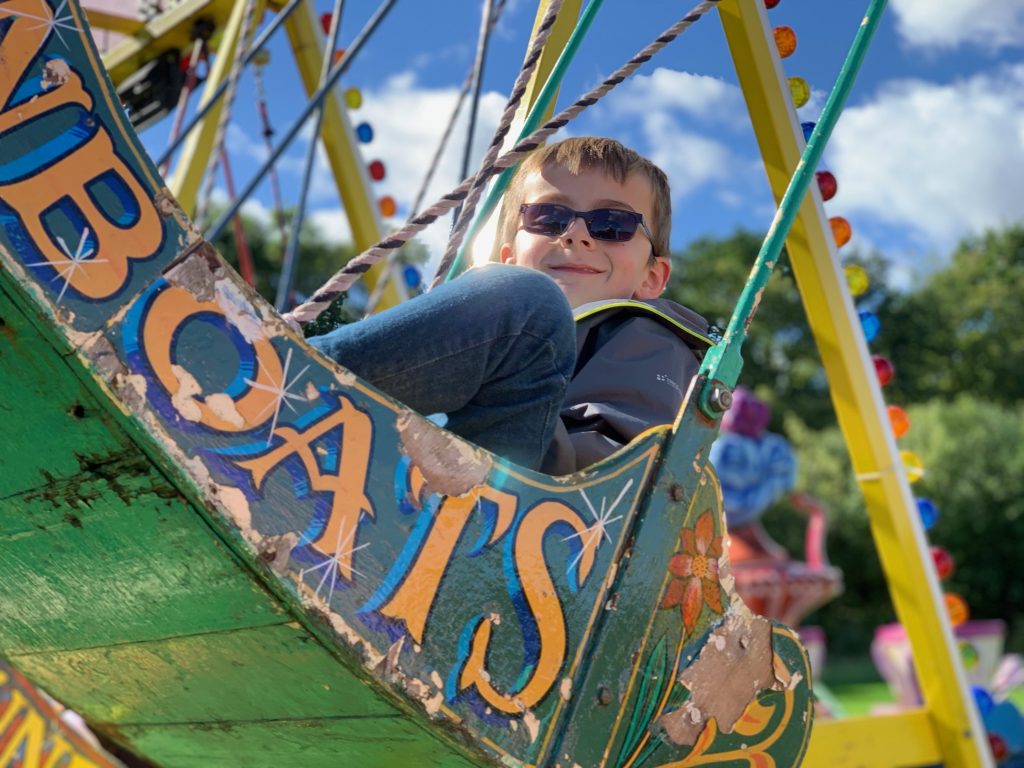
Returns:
(169, 30)
(172, 29)
(347, 166)
(948, 728)
(195, 154)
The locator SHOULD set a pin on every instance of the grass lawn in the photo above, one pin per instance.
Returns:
(857, 687)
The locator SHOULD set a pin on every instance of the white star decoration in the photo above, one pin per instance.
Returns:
(79, 260)
(51, 19)
(281, 392)
(332, 564)
(602, 521)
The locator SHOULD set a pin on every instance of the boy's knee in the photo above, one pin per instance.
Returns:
(528, 302)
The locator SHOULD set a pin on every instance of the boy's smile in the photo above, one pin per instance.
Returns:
(587, 269)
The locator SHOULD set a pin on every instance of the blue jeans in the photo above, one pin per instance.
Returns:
(494, 350)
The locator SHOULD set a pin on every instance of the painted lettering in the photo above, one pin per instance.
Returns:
(538, 608)
(416, 576)
(31, 736)
(344, 478)
(150, 333)
(49, 191)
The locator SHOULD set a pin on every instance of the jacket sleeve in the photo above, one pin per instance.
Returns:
(636, 380)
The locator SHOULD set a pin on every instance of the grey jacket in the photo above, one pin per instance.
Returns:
(634, 362)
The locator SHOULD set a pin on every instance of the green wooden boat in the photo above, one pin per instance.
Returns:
(222, 549)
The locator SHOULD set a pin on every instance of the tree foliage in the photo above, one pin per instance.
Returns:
(320, 257)
(973, 453)
(781, 360)
(960, 331)
(959, 359)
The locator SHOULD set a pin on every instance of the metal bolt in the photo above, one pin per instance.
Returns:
(720, 397)
(676, 492)
(604, 695)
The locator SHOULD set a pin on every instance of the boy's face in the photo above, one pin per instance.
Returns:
(587, 269)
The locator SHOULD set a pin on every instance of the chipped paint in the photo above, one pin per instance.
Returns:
(531, 724)
(184, 399)
(132, 391)
(234, 503)
(55, 74)
(450, 465)
(103, 358)
(167, 207)
(735, 664)
(565, 688)
(196, 272)
(239, 311)
(276, 551)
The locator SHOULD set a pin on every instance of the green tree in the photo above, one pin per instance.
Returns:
(960, 331)
(973, 453)
(319, 258)
(781, 360)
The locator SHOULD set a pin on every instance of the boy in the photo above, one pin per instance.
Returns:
(497, 349)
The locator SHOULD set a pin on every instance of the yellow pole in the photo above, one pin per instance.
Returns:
(345, 161)
(195, 153)
(556, 41)
(860, 409)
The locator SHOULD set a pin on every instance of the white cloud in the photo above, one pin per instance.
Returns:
(705, 98)
(408, 122)
(332, 223)
(665, 110)
(940, 160)
(688, 159)
(952, 23)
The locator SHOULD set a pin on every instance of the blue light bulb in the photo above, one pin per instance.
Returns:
(928, 511)
(871, 324)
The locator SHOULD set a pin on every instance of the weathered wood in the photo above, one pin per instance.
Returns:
(51, 417)
(366, 742)
(114, 555)
(269, 673)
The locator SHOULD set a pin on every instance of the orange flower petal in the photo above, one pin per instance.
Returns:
(713, 595)
(681, 565)
(673, 595)
(705, 531)
(693, 601)
(715, 549)
(687, 540)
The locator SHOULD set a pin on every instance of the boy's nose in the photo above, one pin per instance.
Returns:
(577, 232)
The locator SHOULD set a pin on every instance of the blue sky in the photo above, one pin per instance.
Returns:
(928, 151)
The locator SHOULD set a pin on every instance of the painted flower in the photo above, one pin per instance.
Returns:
(695, 572)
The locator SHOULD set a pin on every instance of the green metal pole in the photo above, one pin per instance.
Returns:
(532, 122)
(723, 363)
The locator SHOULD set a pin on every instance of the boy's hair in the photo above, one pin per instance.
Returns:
(577, 155)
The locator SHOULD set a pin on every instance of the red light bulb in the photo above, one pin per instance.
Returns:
(827, 184)
(944, 563)
(883, 369)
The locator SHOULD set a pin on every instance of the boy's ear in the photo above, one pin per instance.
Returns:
(506, 255)
(655, 280)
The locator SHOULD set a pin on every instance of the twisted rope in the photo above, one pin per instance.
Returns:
(480, 180)
(385, 277)
(344, 278)
(241, 46)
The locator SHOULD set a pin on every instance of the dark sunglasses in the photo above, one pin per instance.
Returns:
(610, 224)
